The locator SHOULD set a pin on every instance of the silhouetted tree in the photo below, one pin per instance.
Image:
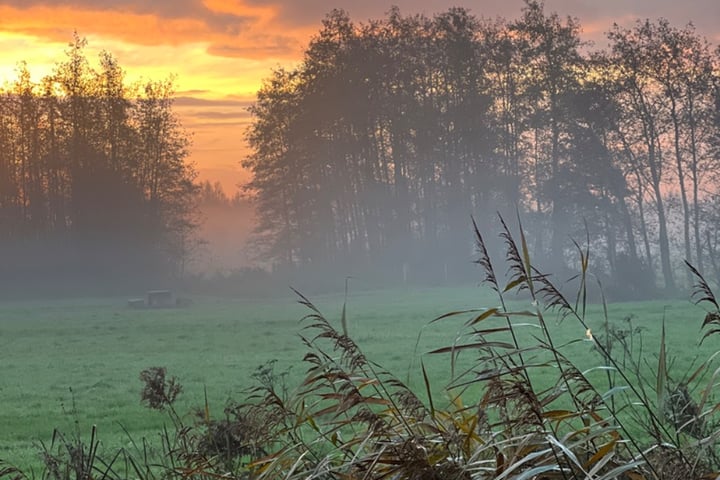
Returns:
(645, 120)
(549, 51)
(378, 146)
(94, 181)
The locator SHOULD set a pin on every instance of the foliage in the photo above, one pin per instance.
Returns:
(374, 148)
(95, 187)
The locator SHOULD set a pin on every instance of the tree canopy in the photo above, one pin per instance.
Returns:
(95, 185)
(377, 148)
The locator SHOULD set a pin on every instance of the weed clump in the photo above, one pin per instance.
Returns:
(158, 391)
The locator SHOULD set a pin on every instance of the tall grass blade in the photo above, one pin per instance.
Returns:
(581, 298)
(707, 390)
(625, 469)
(456, 313)
(526, 255)
(661, 380)
(207, 407)
(530, 457)
(602, 454)
(428, 391)
(568, 454)
(343, 317)
(534, 473)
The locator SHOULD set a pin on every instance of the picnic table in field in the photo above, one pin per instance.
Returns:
(159, 299)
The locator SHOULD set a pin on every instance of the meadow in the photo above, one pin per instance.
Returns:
(71, 364)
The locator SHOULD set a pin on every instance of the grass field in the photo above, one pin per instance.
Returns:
(74, 363)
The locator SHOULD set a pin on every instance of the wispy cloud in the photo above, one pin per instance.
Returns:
(279, 28)
(192, 101)
(227, 28)
(259, 30)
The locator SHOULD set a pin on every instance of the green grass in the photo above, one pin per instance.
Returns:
(72, 364)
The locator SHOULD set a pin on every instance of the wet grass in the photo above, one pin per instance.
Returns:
(73, 364)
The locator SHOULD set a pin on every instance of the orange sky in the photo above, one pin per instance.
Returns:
(220, 50)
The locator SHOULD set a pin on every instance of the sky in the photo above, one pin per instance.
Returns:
(221, 50)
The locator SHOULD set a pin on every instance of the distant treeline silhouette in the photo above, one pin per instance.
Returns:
(376, 149)
(94, 184)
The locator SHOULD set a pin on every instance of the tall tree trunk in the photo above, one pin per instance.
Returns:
(629, 234)
(681, 181)
(556, 219)
(695, 184)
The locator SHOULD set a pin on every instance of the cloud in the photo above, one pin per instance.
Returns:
(596, 17)
(226, 117)
(191, 101)
(227, 28)
(167, 9)
(205, 116)
(261, 29)
(263, 46)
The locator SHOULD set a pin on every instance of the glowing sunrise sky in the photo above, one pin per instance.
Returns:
(220, 50)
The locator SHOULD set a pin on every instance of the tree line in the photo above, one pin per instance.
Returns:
(380, 144)
(94, 182)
